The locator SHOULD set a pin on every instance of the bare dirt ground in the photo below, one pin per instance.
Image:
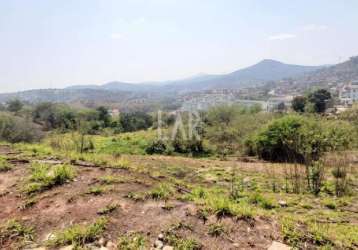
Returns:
(61, 206)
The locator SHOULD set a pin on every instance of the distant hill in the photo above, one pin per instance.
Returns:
(256, 75)
(342, 72)
(116, 86)
(266, 70)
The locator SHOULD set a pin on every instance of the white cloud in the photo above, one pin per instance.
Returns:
(283, 36)
(315, 27)
(116, 36)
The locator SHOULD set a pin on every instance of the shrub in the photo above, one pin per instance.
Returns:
(294, 138)
(16, 129)
(130, 122)
(319, 100)
(54, 116)
(195, 147)
(14, 105)
(299, 103)
(156, 147)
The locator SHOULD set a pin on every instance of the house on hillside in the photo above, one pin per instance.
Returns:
(348, 94)
(114, 112)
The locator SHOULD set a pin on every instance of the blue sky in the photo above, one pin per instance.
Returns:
(48, 44)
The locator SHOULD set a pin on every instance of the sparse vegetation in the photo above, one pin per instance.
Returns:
(4, 165)
(161, 192)
(15, 230)
(79, 234)
(132, 241)
(97, 190)
(108, 209)
(312, 185)
(45, 177)
(216, 230)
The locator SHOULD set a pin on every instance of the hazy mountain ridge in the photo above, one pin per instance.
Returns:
(342, 72)
(254, 76)
(266, 70)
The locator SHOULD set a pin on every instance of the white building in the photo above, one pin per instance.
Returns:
(348, 94)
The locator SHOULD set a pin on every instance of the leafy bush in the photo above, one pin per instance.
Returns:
(16, 129)
(302, 139)
(228, 127)
(299, 103)
(14, 105)
(156, 147)
(320, 100)
(194, 147)
(54, 116)
(130, 122)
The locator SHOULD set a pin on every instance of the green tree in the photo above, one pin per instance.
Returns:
(135, 121)
(14, 105)
(320, 98)
(299, 103)
(104, 116)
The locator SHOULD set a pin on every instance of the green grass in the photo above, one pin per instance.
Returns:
(136, 196)
(97, 190)
(292, 232)
(4, 165)
(132, 241)
(44, 177)
(161, 192)
(108, 209)
(181, 243)
(216, 230)
(211, 184)
(126, 143)
(15, 230)
(78, 234)
(264, 202)
(30, 202)
(111, 179)
(330, 203)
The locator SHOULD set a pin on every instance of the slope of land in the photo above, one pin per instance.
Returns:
(183, 201)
